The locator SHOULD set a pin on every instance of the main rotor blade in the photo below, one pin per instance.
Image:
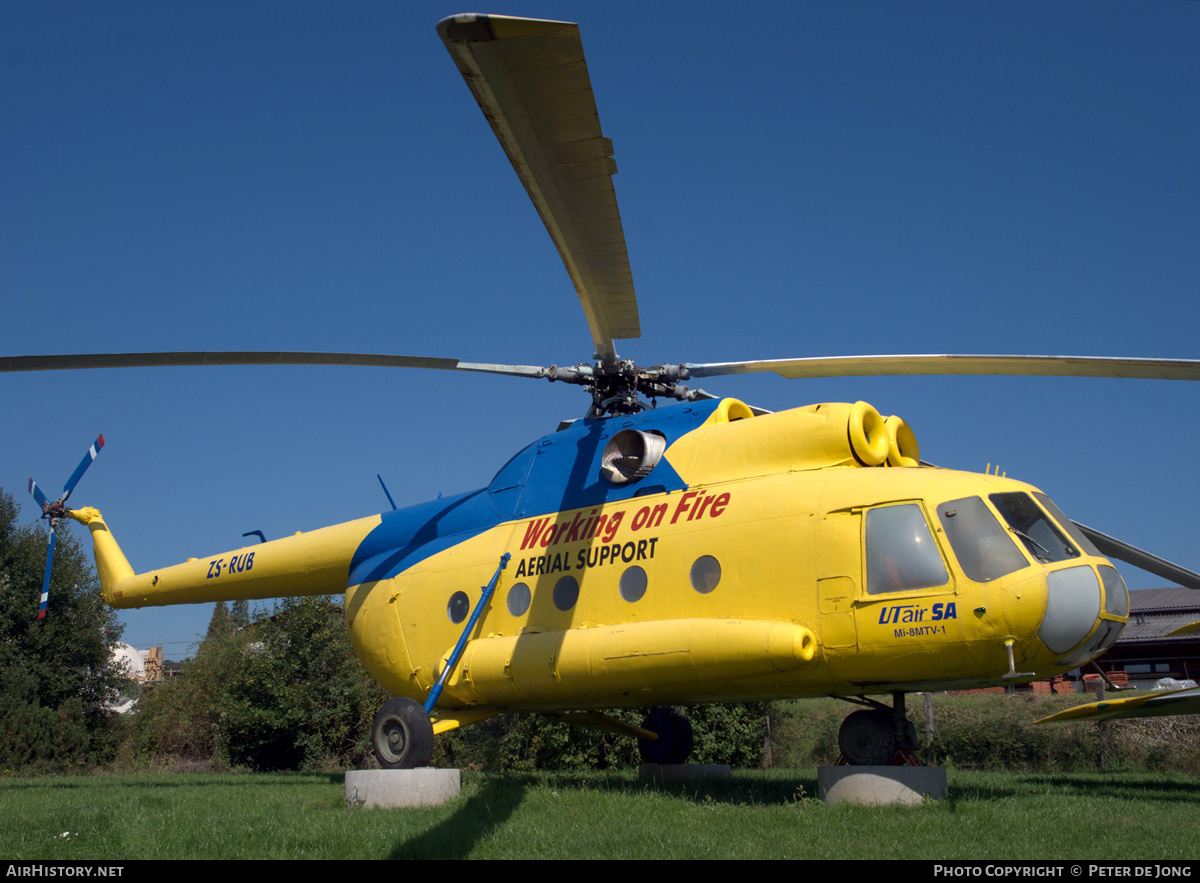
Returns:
(1186, 701)
(181, 359)
(531, 81)
(1122, 551)
(870, 366)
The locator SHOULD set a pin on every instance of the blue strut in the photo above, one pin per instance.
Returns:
(431, 702)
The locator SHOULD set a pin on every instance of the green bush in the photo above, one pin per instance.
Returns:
(996, 731)
(300, 699)
(287, 692)
(178, 722)
(733, 734)
(34, 736)
(804, 732)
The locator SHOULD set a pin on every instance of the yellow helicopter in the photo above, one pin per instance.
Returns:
(702, 552)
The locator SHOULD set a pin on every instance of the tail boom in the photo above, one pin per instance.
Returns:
(313, 563)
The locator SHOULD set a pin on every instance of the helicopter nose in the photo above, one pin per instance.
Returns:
(1072, 607)
(1073, 604)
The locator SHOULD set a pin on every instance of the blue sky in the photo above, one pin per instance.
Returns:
(804, 178)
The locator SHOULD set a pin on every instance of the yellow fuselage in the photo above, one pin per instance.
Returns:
(749, 575)
(789, 617)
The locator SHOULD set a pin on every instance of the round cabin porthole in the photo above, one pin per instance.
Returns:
(633, 584)
(566, 593)
(706, 574)
(518, 599)
(459, 607)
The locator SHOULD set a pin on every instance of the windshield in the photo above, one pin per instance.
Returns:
(1031, 525)
(1068, 525)
(984, 549)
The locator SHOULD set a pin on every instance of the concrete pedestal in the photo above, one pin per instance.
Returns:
(881, 784)
(391, 788)
(683, 772)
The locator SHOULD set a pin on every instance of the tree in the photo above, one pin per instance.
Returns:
(218, 624)
(239, 614)
(56, 674)
(227, 619)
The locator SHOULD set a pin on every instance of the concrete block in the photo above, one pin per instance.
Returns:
(683, 772)
(881, 784)
(391, 788)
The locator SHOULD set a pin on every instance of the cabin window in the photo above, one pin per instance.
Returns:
(633, 584)
(984, 549)
(901, 552)
(519, 597)
(1043, 540)
(566, 593)
(706, 574)
(458, 607)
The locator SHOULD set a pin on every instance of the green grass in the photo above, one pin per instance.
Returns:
(989, 815)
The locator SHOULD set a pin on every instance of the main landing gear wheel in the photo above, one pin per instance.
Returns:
(674, 737)
(402, 735)
(868, 738)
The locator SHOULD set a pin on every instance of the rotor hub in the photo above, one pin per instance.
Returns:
(620, 387)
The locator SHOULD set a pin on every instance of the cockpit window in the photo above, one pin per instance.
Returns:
(1069, 526)
(1116, 596)
(901, 552)
(1031, 526)
(984, 549)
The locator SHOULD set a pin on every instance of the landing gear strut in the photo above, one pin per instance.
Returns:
(879, 736)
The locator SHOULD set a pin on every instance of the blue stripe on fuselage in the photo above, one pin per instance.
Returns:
(408, 536)
(557, 473)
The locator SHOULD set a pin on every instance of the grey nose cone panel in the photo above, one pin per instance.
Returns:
(1072, 607)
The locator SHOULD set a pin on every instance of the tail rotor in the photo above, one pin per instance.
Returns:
(54, 511)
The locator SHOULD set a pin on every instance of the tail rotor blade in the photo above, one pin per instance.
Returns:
(46, 579)
(81, 468)
(38, 496)
(53, 511)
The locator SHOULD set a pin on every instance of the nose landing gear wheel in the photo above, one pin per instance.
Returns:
(674, 737)
(402, 735)
(867, 738)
